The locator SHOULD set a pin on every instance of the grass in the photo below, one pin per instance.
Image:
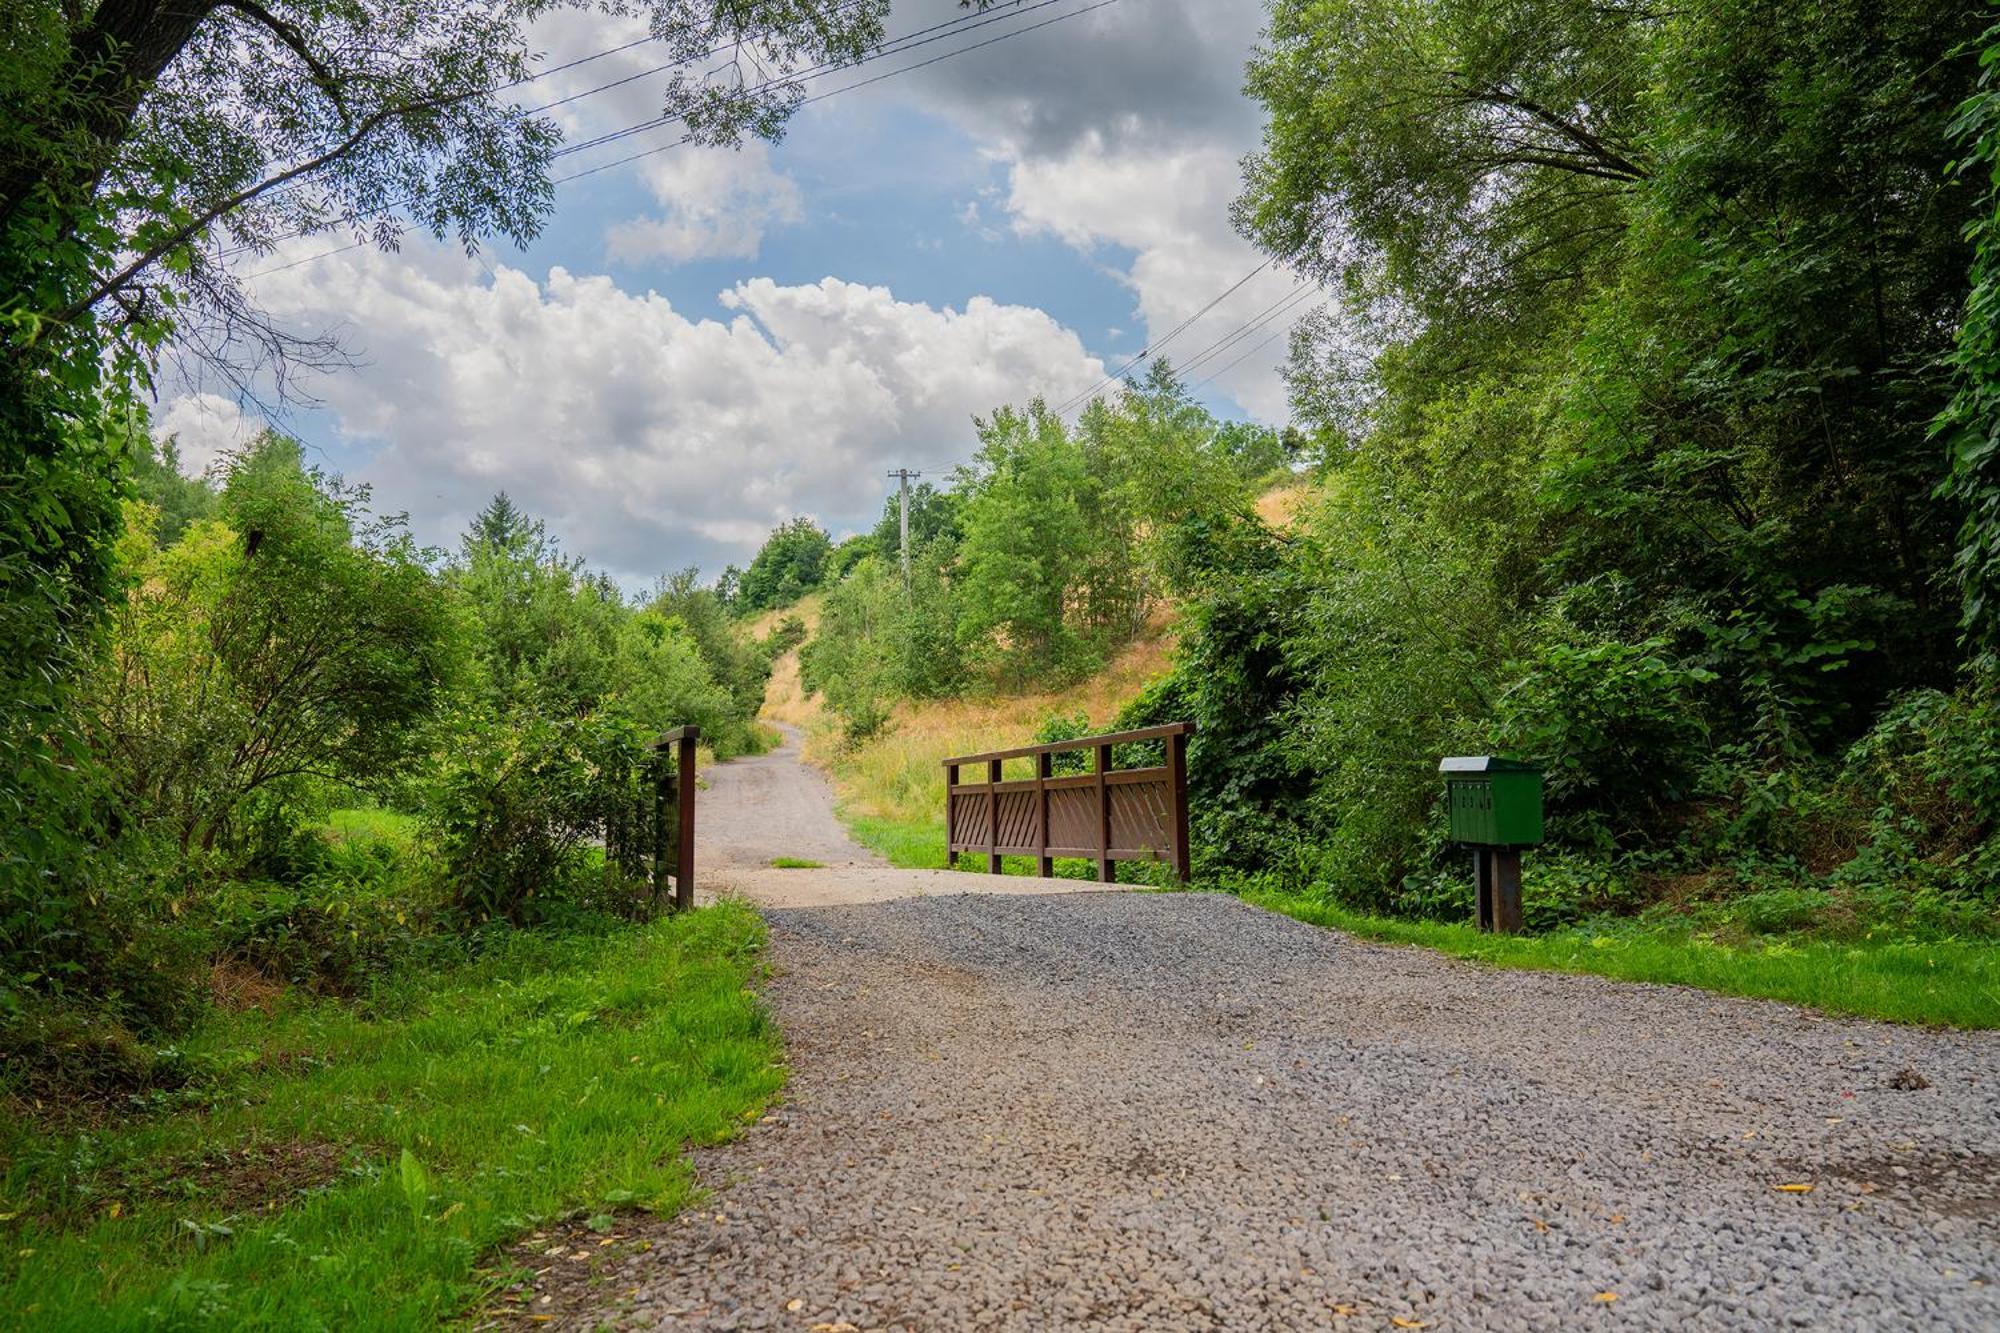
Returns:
(795, 863)
(1950, 982)
(372, 825)
(352, 1166)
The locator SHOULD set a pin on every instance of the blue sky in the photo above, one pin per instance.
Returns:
(705, 342)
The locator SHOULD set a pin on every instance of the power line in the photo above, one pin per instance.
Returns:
(1248, 327)
(1262, 343)
(1153, 348)
(888, 50)
(895, 46)
(895, 49)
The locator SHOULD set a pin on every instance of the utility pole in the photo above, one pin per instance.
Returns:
(904, 475)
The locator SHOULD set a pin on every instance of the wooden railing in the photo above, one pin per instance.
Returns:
(1106, 814)
(651, 831)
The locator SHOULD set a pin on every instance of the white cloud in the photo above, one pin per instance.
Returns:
(1168, 210)
(204, 427)
(648, 439)
(716, 204)
(1123, 137)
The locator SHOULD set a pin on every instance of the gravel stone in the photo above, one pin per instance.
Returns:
(1176, 1111)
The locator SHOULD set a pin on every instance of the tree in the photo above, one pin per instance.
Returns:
(790, 564)
(291, 638)
(1970, 425)
(1026, 539)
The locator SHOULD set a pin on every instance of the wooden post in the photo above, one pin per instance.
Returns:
(684, 862)
(661, 777)
(1507, 890)
(1496, 881)
(1107, 869)
(993, 816)
(1044, 769)
(1177, 806)
(950, 817)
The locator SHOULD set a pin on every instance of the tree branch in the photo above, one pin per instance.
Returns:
(292, 37)
(1616, 166)
(182, 235)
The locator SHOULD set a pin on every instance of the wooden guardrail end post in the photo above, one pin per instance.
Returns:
(684, 861)
(993, 816)
(1177, 820)
(950, 816)
(1107, 869)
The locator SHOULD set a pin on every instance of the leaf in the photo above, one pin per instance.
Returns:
(1401, 1322)
(416, 1183)
(1605, 1296)
(1795, 1189)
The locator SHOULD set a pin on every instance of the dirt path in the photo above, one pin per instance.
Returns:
(767, 806)
(1174, 1111)
(757, 809)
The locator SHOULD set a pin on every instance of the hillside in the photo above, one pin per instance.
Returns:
(891, 786)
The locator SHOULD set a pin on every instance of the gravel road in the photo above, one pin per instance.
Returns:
(1169, 1111)
(1174, 1111)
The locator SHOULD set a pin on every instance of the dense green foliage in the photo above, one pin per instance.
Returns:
(1048, 550)
(1640, 481)
(791, 563)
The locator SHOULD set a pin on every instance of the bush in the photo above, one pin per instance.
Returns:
(1617, 727)
(514, 813)
(350, 913)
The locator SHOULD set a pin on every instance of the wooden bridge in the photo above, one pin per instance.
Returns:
(1105, 814)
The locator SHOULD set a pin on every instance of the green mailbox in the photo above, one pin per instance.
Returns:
(1494, 802)
(1496, 809)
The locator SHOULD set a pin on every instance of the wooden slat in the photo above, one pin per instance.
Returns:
(1081, 743)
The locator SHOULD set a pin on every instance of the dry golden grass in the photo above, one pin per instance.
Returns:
(785, 698)
(806, 609)
(1280, 505)
(899, 776)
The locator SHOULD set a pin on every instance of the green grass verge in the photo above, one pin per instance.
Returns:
(1954, 982)
(352, 1166)
(795, 863)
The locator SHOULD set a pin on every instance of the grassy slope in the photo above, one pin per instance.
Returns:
(555, 1074)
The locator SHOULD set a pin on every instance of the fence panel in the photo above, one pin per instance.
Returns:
(1107, 814)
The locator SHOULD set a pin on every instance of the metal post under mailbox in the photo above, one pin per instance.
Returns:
(1495, 807)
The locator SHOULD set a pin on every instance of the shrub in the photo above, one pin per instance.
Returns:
(514, 813)
(1616, 726)
(348, 913)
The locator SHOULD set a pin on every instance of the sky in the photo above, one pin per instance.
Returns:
(706, 342)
